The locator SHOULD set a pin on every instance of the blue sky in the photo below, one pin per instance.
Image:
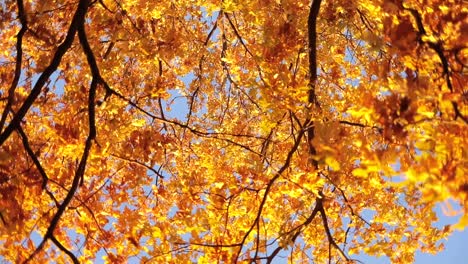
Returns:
(456, 247)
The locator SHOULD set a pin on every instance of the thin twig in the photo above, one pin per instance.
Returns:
(19, 59)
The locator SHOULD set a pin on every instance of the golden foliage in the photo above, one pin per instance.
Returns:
(229, 131)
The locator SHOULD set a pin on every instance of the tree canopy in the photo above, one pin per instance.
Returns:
(226, 131)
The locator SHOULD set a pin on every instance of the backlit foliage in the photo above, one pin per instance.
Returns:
(230, 131)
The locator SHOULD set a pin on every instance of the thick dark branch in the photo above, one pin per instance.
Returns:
(309, 125)
(37, 163)
(257, 243)
(92, 91)
(89, 53)
(77, 22)
(328, 232)
(78, 19)
(96, 80)
(215, 26)
(19, 59)
(71, 193)
(33, 156)
(312, 98)
(312, 30)
(64, 249)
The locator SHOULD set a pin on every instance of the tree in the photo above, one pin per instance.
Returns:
(312, 130)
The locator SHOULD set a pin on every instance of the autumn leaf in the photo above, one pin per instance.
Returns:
(230, 131)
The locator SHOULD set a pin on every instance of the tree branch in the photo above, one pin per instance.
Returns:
(77, 20)
(37, 163)
(33, 156)
(312, 30)
(308, 124)
(19, 59)
(299, 230)
(269, 186)
(135, 161)
(64, 249)
(438, 49)
(328, 232)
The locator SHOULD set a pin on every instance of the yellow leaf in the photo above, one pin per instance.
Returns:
(156, 14)
(359, 172)
(463, 223)
(138, 122)
(333, 163)
(219, 185)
